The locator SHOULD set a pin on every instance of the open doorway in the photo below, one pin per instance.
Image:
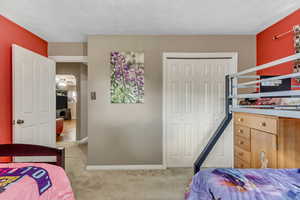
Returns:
(66, 104)
(71, 102)
(72, 84)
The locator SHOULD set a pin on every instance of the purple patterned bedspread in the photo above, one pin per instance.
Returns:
(246, 184)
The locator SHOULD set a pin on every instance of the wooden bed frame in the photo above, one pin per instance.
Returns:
(18, 150)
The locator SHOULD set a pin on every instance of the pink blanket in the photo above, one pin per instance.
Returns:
(38, 181)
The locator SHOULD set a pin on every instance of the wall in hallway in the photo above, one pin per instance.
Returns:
(67, 49)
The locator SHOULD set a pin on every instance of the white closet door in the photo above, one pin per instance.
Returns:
(34, 100)
(194, 107)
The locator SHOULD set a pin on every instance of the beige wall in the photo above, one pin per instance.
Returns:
(67, 49)
(79, 70)
(132, 134)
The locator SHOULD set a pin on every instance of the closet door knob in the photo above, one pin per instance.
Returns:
(20, 121)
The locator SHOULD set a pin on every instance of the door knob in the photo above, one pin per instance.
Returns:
(20, 121)
(263, 124)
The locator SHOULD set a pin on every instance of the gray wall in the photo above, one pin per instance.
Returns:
(122, 134)
(79, 70)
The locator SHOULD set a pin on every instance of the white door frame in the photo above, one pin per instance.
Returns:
(73, 59)
(166, 55)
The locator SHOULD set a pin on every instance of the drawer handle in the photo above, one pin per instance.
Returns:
(240, 119)
(241, 142)
(242, 165)
(241, 154)
(264, 124)
(240, 131)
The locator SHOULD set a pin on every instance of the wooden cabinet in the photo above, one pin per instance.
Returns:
(241, 164)
(263, 147)
(242, 131)
(242, 143)
(266, 141)
(242, 154)
(259, 122)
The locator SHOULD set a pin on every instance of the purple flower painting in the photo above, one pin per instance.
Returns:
(127, 77)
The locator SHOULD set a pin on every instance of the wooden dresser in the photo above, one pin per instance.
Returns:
(266, 141)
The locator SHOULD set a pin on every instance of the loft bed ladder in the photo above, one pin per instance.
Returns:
(231, 100)
(218, 133)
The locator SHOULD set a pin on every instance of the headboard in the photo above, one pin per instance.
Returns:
(20, 150)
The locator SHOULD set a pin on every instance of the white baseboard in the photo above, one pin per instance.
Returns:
(83, 141)
(125, 167)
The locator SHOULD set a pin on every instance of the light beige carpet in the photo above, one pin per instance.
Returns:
(123, 185)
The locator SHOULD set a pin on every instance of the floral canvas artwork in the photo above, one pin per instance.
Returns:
(127, 77)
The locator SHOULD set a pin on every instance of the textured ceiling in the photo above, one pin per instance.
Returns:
(73, 20)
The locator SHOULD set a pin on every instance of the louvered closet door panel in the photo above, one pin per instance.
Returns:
(194, 109)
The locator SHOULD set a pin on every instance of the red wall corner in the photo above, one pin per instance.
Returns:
(12, 33)
(269, 50)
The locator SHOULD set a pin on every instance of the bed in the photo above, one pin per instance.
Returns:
(258, 144)
(245, 184)
(34, 181)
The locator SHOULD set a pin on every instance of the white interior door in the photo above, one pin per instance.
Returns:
(33, 100)
(194, 98)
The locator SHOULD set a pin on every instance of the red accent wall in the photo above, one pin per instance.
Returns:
(269, 50)
(11, 33)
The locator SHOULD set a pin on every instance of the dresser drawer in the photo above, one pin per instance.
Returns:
(242, 131)
(238, 163)
(259, 122)
(242, 154)
(242, 143)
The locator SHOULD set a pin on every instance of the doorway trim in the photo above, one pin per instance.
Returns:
(74, 59)
(188, 55)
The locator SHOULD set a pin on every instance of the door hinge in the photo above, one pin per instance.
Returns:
(13, 122)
